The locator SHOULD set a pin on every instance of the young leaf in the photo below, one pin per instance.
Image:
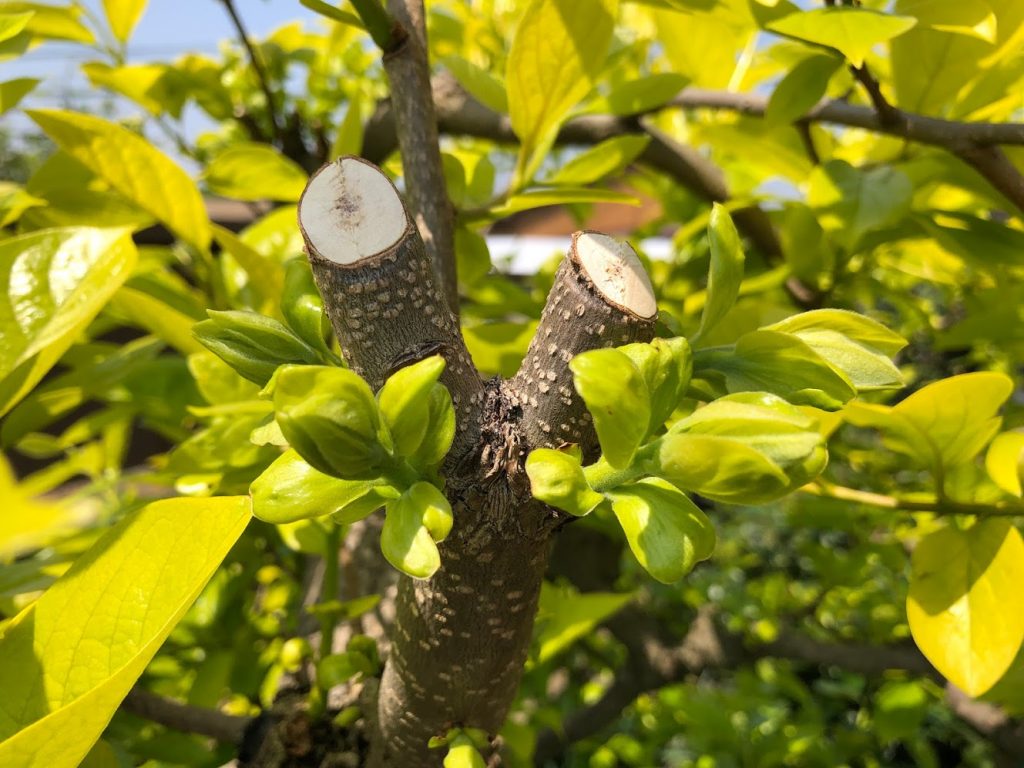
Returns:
(481, 84)
(965, 605)
(462, 753)
(801, 88)
(252, 344)
(251, 171)
(133, 167)
(666, 366)
(404, 402)
(782, 364)
(667, 533)
(608, 157)
(865, 331)
(1005, 461)
(565, 616)
(301, 305)
(558, 49)
(68, 661)
(726, 269)
(851, 31)
(556, 478)
(52, 284)
(290, 490)
(265, 275)
(162, 320)
(406, 540)
(330, 417)
(440, 432)
(616, 396)
(720, 468)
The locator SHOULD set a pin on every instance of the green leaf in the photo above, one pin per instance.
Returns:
(479, 83)
(852, 202)
(334, 13)
(616, 396)
(783, 433)
(54, 283)
(68, 660)
(801, 88)
(564, 616)
(349, 139)
(1005, 462)
(264, 274)
(52, 22)
(133, 167)
(870, 333)
(726, 272)
(720, 468)
(252, 344)
(412, 524)
(644, 94)
(666, 366)
(900, 708)
(851, 31)
(329, 415)
(958, 415)
(769, 361)
(965, 605)
(13, 23)
(290, 490)
(667, 533)
(251, 171)
(25, 523)
(157, 317)
(440, 432)
(145, 84)
(557, 52)
(603, 159)
(13, 91)
(537, 198)
(123, 15)
(556, 478)
(865, 368)
(404, 403)
(462, 753)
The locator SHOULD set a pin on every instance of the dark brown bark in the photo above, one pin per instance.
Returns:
(459, 640)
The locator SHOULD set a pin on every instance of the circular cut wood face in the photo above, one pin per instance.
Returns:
(350, 211)
(617, 273)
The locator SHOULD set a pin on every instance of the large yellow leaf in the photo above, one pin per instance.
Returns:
(966, 605)
(558, 50)
(252, 171)
(133, 167)
(67, 661)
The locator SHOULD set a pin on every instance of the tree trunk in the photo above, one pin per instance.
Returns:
(460, 639)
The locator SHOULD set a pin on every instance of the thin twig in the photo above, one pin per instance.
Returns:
(203, 721)
(257, 66)
(937, 507)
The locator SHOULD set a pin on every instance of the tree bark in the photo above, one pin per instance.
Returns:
(460, 639)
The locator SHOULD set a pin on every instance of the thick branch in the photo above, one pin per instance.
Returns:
(229, 729)
(601, 297)
(379, 287)
(416, 124)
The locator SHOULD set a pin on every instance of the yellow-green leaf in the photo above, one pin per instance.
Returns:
(52, 22)
(266, 275)
(123, 15)
(133, 167)
(53, 283)
(13, 91)
(13, 23)
(68, 660)
(851, 31)
(24, 522)
(1005, 461)
(157, 317)
(558, 50)
(965, 606)
(251, 171)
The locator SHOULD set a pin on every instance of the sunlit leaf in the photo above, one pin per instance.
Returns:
(851, 31)
(250, 171)
(68, 661)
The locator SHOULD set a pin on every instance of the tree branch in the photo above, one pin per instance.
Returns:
(408, 71)
(601, 297)
(257, 66)
(213, 723)
(379, 286)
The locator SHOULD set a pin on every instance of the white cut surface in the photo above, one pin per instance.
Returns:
(617, 273)
(350, 211)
